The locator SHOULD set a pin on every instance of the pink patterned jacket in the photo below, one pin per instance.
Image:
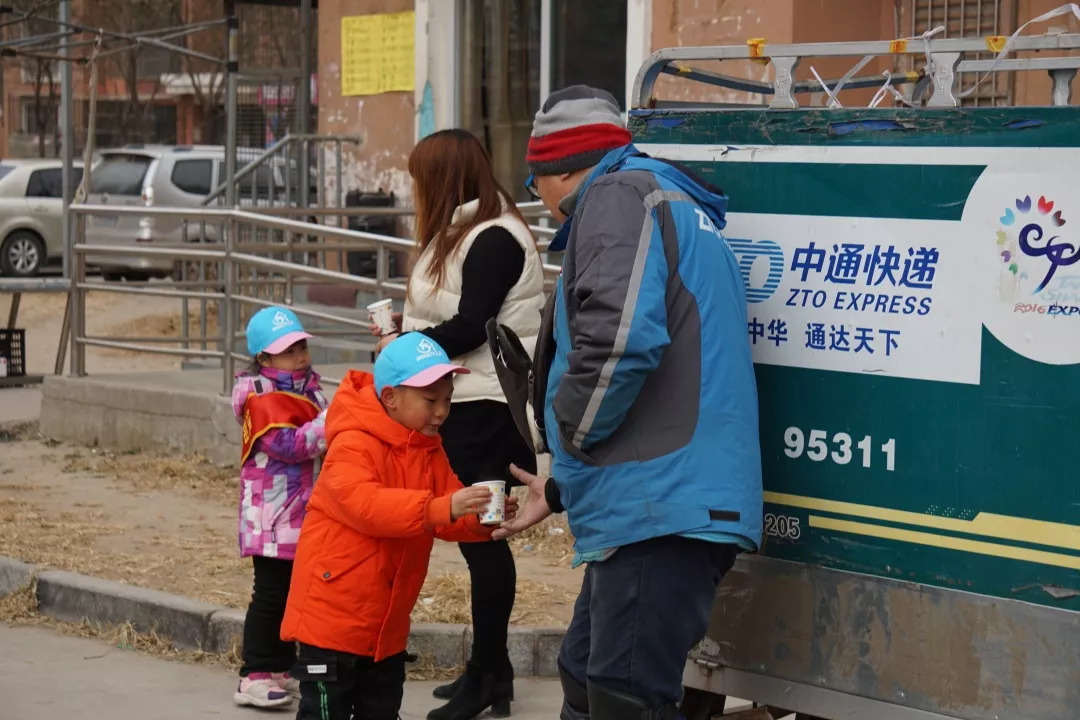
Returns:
(279, 474)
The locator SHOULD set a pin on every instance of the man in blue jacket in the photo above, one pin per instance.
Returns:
(650, 411)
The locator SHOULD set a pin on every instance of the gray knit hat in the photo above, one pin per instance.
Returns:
(574, 130)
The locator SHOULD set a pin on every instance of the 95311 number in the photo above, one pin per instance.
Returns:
(818, 447)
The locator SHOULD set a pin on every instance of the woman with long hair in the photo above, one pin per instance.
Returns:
(476, 259)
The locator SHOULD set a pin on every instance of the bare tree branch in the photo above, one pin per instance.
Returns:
(39, 70)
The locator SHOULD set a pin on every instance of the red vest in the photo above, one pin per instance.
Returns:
(278, 409)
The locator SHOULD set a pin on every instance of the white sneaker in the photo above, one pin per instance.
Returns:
(287, 683)
(261, 693)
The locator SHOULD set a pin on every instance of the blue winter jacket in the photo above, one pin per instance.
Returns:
(651, 408)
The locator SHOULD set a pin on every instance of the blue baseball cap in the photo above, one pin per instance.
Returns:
(412, 360)
(274, 330)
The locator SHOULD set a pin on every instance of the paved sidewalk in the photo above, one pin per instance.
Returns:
(56, 676)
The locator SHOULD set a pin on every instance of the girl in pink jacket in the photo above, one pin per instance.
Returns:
(281, 407)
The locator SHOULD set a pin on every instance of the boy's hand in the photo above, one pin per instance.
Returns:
(469, 501)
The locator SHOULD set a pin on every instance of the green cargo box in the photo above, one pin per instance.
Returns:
(913, 282)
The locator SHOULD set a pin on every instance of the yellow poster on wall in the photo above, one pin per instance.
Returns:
(378, 53)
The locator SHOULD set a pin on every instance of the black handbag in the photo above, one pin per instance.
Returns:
(523, 377)
(514, 368)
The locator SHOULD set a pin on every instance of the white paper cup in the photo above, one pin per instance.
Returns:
(382, 314)
(495, 512)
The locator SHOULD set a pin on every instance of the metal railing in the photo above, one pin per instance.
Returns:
(272, 182)
(240, 261)
(946, 58)
(276, 176)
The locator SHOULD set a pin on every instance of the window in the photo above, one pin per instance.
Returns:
(588, 46)
(119, 123)
(193, 176)
(256, 185)
(164, 131)
(964, 19)
(500, 79)
(151, 63)
(34, 71)
(120, 174)
(49, 183)
(38, 116)
(500, 82)
(46, 184)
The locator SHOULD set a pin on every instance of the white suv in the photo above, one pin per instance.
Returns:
(169, 176)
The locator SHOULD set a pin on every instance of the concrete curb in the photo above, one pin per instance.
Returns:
(192, 625)
(13, 575)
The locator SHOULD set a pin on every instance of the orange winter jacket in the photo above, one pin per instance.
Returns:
(382, 496)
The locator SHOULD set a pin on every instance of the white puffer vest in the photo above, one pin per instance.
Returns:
(427, 305)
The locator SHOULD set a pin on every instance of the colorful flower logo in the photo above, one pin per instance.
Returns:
(1029, 238)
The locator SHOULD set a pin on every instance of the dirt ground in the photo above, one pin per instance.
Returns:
(169, 523)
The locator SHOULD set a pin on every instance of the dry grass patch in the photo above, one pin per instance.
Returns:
(60, 540)
(38, 307)
(196, 562)
(447, 598)
(164, 326)
(195, 555)
(185, 474)
(425, 669)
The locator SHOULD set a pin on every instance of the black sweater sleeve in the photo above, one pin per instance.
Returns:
(493, 266)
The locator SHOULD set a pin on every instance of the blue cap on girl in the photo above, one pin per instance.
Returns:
(274, 330)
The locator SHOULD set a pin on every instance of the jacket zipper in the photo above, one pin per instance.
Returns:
(273, 520)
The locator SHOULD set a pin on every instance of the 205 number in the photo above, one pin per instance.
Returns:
(782, 526)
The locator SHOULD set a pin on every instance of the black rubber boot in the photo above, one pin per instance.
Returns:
(504, 678)
(575, 698)
(478, 692)
(504, 682)
(445, 692)
(608, 704)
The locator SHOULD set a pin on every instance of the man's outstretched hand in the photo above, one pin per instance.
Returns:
(536, 507)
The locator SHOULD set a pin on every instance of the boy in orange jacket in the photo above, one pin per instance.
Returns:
(385, 491)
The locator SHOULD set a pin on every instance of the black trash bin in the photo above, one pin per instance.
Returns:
(364, 263)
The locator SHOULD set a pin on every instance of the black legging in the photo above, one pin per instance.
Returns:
(481, 441)
(494, 584)
(264, 651)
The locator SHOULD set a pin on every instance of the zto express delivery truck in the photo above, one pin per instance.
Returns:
(913, 286)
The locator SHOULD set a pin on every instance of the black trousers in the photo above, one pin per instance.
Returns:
(481, 441)
(339, 686)
(640, 612)
(264, 650)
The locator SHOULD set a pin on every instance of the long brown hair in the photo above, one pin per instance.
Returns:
(450, 168)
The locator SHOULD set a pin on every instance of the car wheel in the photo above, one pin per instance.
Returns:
(22, 254)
